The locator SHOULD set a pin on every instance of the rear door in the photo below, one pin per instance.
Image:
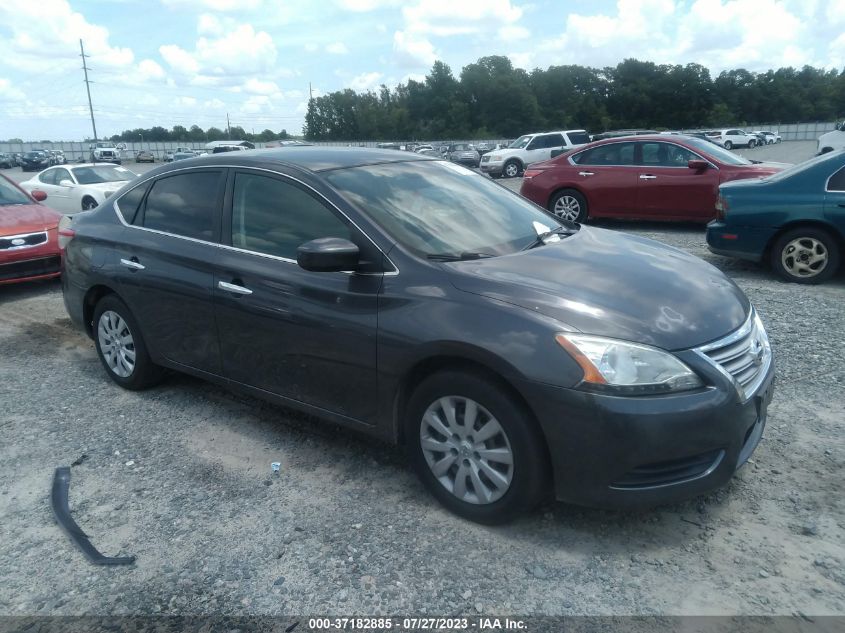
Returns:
(166, 258)
(607, 176)
(539, 149)
(667, 189)
(834, 201)
(303, 335)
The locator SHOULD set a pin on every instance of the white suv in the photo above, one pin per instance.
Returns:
(834, 140)
(731, 138)
(105, 152)
(531, 148)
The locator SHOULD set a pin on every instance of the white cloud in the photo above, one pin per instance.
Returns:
(9, 93)
(209, 24)
(149, 69)
(241, 51)
(436, 17)
(311, 47)
(258, 87)
(337, 48)
(412, 51)
(513, 32)
(215, 5)
(366, 5)
(365, 81)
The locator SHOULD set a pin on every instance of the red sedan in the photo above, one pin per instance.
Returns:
(29, 244)
(654, 177)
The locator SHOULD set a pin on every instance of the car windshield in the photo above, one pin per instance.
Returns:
(807, 164)
(436, 208)
(101, 173)
(9, 194)
(715, 151)
(519, 143)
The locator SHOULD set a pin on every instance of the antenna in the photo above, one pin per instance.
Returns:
(88, 88)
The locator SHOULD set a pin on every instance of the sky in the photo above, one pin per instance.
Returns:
(181, 62)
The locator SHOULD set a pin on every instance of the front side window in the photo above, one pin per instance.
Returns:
(837, 181)
(610, 154)
(436, 209)
(665, 155)
(275, 217)
(184, 204)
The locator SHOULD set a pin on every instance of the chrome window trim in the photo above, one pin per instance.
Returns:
(121, 219)
(744, 393)
(24, 246)
(627, 140)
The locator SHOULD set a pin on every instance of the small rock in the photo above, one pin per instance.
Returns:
(298, 529)
(764, 573)
(479, 607)
(279, 581)
(357, 526)
(809, 529)
(466, 595)
(131, 462)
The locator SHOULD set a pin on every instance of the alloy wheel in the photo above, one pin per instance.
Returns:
(467, 450)
(567, 208)
(116, 343)
(511, 170)
(804, 257)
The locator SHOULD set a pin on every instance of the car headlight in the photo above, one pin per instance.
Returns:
(627, 368)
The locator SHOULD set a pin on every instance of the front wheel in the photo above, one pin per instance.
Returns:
(805, 255)
(511, 169)
(752, 143)
(476, 448)
(121, 347)
(569, 205)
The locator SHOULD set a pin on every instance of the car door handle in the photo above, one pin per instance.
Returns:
(132, 264)
(233, 288)
(647, 177)
(586, 173)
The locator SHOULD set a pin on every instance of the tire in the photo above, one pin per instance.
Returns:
(112, 319)
(511, 169)
(728, 145)
(88, 203)
(510, 489)
(752, 143)
(570, 205)
(793, 253)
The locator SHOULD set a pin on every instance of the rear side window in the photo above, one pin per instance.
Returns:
(610, 154)
(128, 203)
(578, 138)
(184, 204)
(48, 177)
(554, 140)
(837, 181)
(275, 217)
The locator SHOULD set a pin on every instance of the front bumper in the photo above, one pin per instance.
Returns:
(742, 242)
(494, 169)
(466, 160)
(627, 452)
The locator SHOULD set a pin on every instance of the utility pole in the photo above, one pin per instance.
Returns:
(228, 128)
(310, 93)
(88, 88)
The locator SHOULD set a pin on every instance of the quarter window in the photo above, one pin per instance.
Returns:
(837, 181)
(129, 202)
(48, 177)
(275, 217)
(610, 154)
(184, 204)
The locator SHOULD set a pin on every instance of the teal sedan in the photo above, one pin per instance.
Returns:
(794, 219)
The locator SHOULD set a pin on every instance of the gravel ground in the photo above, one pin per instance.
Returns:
(180, 476)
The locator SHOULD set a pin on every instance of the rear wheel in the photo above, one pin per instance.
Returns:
(511, 169)
(728, 145)
(569, 205)
(752, 143)
(88, 203)
(475, 447)
(805, 255)
(121, 347)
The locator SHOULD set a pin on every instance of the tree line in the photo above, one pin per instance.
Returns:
(197, 135)
(492, 99)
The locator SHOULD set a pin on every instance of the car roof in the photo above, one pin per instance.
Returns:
(313, 158)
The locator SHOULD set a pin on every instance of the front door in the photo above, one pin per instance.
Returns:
(166, 258)
(667, 189)
(306, 336)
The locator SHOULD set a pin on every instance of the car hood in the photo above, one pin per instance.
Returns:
(24, 218)
(610, 284)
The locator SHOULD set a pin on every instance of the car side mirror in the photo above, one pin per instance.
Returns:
(65, 183)
(39, 195)
(328, 255)
(698, 165)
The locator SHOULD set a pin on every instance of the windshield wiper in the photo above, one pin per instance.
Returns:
(542, 237)
(457, 257)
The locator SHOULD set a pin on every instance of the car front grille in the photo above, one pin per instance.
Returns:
(30, 268)
(744, 356)
(26, 240)
(671, 472)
